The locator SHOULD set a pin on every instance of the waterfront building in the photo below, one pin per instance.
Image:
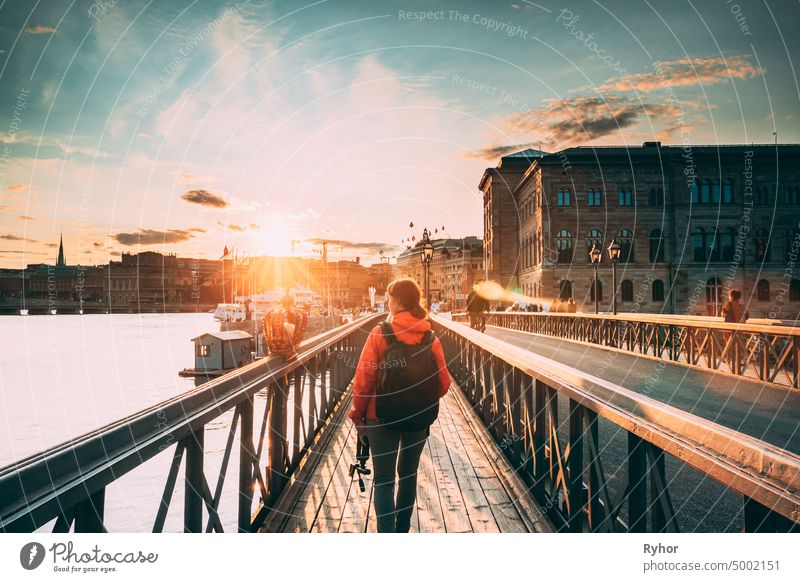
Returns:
(693, 222)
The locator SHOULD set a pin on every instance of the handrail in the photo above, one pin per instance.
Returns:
(68, 481)
(769, 353)
(516, 393)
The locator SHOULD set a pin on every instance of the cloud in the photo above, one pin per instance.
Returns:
(252, 226)
(237, 228)
(39, 29)
(197, 229)
(194, 179)
(582, 119)
(146, 236)
(24, 217)
(15, 238)
(684, 73)
(20, 253)
(204, 198)
(498, 151)
(97, 245)
(368, 247)
(18, 187)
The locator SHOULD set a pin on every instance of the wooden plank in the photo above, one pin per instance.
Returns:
(304, 513)
(356, 509)
(516, 489)
(454, 511)
(296, 493)
(500, 504)
(428, 506)
(475, 501)
(332, 508)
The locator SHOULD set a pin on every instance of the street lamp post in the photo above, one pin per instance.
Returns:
(595, 255)
(613, 254)
(427, 257)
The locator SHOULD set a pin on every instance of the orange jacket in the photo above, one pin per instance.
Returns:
(409, 330)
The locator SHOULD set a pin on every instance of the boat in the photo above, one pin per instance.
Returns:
(53, 312)
(23, 312)
(257, 305)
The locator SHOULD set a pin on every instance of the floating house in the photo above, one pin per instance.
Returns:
(223, 350)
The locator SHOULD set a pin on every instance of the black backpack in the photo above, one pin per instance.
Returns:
(407, 396)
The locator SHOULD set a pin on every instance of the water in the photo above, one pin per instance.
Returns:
(62, 376)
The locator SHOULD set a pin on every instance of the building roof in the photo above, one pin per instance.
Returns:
(226, 335)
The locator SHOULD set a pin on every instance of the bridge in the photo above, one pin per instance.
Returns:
(554, 422)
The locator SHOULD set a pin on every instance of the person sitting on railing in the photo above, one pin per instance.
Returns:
(284, 328)
(733, 311)
(477, 306)
(572, 307)
(399, 379)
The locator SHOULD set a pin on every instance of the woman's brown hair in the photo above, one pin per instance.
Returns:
(407, 293)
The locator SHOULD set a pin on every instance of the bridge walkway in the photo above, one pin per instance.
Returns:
(465, 483)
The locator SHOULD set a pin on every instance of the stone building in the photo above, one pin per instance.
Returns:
(693, 222)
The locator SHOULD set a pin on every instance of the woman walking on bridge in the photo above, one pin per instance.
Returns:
(399, 380)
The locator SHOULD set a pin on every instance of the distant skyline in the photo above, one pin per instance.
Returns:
(186, 126)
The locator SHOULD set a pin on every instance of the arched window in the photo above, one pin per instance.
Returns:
(792, 195)
(595, 239)
(565, 290)
(625, 197)
(763, 247)
(564, 246)
(713, 243)
(727, 238)
(656, 246)
(626, 290)
(794, 290)
(563, 198)
(599, 291)
(699, 245)
(593, 197)
(763, 290)
(727, 191)
(713, 296)
(762, 195)
(625, 240)
(655, 197)
(658, 290)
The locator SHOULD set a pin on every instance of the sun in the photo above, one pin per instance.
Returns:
(273, 238)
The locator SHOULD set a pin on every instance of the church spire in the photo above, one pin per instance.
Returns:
(61, 262)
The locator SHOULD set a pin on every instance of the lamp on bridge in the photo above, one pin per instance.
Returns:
(613, 254)
(427, 257)
(595, 255)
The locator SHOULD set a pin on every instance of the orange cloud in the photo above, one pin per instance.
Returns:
(39, 29)
(684, 73)
(18, 187)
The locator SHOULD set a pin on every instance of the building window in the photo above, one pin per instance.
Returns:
(625, 240)
(658, 290)
(564, 246)
(656, 246)
(763, 248)
(698, 245)
(563, 198)
(727, 238)
(593, 197)
(565, 290)
(599, 290)
(763, 290)
(794, 290)
(203, 351)
(792, 195)
(714, 192)
(626, 290)
(705, 192)
(625, 197)
(727, 191)
(762, 195)
(713, 244)
(713, 296)
(595, 240)
(655, 197)
(693, 188)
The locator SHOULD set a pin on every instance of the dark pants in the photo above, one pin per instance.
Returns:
(394, 454)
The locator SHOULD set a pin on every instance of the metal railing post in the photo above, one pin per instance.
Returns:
(193, 492)
(246, 462)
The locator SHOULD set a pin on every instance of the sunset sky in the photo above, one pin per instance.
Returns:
(185, 126)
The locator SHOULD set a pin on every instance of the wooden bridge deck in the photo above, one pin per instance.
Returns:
(464, 482)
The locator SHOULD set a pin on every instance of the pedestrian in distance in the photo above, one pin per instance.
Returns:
(399, 380)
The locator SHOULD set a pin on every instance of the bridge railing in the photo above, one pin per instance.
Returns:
(769, 353)
(68, 482)
(519, 395)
